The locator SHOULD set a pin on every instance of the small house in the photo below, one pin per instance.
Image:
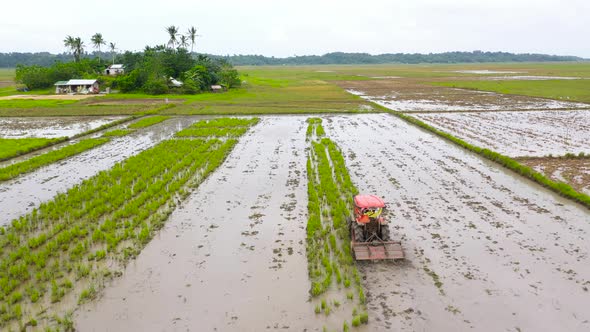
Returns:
(115, 69)
(77, 86)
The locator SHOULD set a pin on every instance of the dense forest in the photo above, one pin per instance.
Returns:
(46, 59)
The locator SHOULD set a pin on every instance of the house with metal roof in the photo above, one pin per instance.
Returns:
(115, 69)
(77, 86)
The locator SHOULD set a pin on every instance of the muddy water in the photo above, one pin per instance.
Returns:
(232, 256)
(51, 127)
(486, 250)
(22, 194)
(519, 133)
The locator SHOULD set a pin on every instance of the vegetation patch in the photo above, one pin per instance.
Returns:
(222, 127)
(571, 90)
(29, 165)
(117, 133)
(12, 147)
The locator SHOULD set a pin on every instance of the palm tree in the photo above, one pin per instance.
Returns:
(183, 41)
(113, 47)
(78, 48)
(98, 41)
(69, 43)
(192, 35)
(173, 32)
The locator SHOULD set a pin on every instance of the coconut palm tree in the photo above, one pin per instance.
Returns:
(192, 35)
(113, 47)
(78, 48)
(98, 41)
(183, 41)
(69, 43)
(173, 32)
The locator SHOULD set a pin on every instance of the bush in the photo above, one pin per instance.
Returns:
(156, 87)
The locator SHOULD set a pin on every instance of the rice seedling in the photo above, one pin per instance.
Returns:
(147, 122)
(117, 133)
(29, 165)
(87, 234)
(12, 147)
(330, 261)
(221, 127)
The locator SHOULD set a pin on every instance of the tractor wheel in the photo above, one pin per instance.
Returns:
(359, 235)
(385, 233)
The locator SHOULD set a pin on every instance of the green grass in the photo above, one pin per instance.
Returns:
(571, 90)
(7, 74)
(32, 103)
(146, 122)
(12, 147)
(29, 165)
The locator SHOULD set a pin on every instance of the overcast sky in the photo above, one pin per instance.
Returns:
(300, 27)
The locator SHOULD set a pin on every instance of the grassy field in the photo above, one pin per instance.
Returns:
(6, 74)
(574, 90)
(311, 89)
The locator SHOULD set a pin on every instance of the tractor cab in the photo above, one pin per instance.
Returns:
(368, 208)
(371, 236)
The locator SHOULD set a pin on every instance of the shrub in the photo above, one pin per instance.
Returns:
(156, 87)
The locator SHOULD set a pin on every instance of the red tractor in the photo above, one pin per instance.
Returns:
(370, 234)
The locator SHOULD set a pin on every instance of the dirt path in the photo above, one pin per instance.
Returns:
(22, 194)
(232, 256)
(50, 97)
(486, 250)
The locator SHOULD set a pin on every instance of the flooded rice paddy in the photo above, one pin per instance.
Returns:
(51, 127)
(516, 134)
(22, 194)
(486, 249)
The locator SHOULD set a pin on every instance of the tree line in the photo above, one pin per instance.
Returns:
(10, 60)
(403, 58)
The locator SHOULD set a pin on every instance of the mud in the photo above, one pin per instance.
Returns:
(21, 195)
(573, 171)
(517, 134)
(232, 256)
(487, 250)
(409, 95)
(51, 127)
